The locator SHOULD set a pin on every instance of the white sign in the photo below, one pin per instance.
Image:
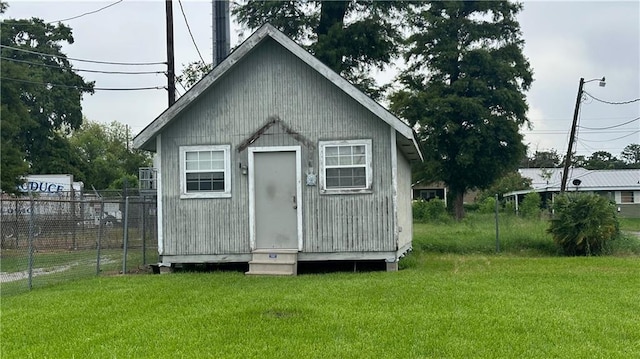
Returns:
(50, 184)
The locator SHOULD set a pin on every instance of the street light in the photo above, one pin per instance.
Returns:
(567, 159)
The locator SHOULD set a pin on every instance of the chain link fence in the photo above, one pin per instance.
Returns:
(51, 239)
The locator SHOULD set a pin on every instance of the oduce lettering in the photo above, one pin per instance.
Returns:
(42, 187)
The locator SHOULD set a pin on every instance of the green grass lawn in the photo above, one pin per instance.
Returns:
(453, 297)
(447, 305)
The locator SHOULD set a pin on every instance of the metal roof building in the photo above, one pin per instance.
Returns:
(622, 186)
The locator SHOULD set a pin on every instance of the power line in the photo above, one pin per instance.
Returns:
(84, 60)
(614, 126)
(613, 139)
(84, 70)
(85, 88)
(190, 33)
(610, 102)
(87, 13)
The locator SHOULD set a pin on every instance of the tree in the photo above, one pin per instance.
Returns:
(351, 37)
(107, 155)
(543, 159)
(603, 160)
(193, 72)
(631, 155)
(464, 87)
(512, 181)
(41, 97)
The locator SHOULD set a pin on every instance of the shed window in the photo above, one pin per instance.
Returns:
(204, 171)
(345, 166)
(626, 197)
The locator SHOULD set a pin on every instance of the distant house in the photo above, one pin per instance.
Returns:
(621, 186)
(273, 159)
(428, 190)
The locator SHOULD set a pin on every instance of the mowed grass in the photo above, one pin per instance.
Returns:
(476, 234)
(454, 297)
(447, 305)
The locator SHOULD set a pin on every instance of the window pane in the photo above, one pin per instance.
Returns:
(205, 181)
(345, 161)
(192, 156)
(331, 151)
(358, 150)
(344, 150)
(359, 160)
(204, 156)
(217, 165)
(346, 177)
(332, 161)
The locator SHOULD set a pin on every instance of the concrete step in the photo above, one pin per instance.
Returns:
(273, 254)
(273, 262)
(274, 257)
(254, 272)
(289, 268)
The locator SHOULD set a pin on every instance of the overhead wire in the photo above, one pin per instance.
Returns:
(614, 139)
(611, 102)
(84, 60)
(87, 13)
(84, 70)
(610, 127)
(85, 88)
(190, 33)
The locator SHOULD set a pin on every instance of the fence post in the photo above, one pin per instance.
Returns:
(497, 228)
(144, 230)
(125, 234)
(31, 229)
(100, 234)
(73, 218)
(15, 230)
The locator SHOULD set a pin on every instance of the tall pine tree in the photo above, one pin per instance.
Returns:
(464, 87)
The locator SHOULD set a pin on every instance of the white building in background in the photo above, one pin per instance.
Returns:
(51, 185)
(620, 186)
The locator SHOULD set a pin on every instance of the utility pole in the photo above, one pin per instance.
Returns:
(220, 30)
(572, 135)
(171, 72)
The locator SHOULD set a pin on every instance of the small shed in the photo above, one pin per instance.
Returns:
(273, 158)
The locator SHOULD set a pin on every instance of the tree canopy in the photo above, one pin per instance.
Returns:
(631, 155)
(351, 37)
(41, 97)
(464, 89)
(106, 154)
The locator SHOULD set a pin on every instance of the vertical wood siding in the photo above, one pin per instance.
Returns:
(271, 81)
(405, 213)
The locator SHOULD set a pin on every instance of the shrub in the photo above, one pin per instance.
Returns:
(582, 224)
(530, 207)
(433, 209)
(488, 205)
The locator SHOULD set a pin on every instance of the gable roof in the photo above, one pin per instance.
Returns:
(550, 179)
(406, 141)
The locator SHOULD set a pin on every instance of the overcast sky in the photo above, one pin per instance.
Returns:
(564, 42)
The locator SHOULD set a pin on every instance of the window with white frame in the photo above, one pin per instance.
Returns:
(626, 197)
(205, 171)
(345, 166)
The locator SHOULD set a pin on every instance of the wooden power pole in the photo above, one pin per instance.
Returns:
(572, 136)
(171, 72)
